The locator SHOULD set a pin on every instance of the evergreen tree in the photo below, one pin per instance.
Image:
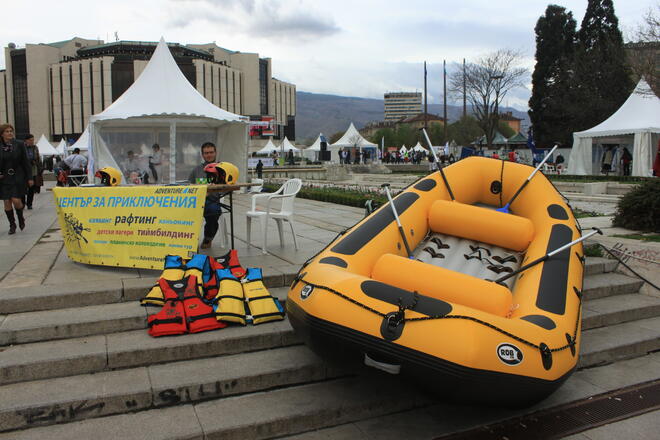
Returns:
(551, 109)
(602, 81)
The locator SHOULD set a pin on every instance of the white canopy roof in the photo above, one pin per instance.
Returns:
(353, 138)
(61, 147)
(638, 116)
(316, 146)
(403, 149)
(82, 142)
(162, 90)
(268, 148)
(419, 147)
(46, 148)
(287, 146)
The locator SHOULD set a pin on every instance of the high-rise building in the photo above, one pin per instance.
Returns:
(54, 88)
(402, 105)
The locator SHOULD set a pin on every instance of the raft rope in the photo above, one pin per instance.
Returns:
(502, 184)
(403, 319)
(613, 254)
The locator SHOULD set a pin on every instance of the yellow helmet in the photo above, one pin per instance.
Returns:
(222, 172)
(109, 176)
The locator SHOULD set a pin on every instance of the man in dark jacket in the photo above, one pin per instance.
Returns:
(212, 208)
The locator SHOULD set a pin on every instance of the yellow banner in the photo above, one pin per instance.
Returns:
(130, 226)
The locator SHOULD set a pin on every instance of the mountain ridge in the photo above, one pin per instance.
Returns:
(328, 114)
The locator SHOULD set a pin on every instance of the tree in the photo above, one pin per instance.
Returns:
(642, 51)
(465, 130)
(487, 82)
(550, 105)
(602, 78)
(335, 137)
(505, 129)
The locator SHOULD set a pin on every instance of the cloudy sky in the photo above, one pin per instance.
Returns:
(344, 47)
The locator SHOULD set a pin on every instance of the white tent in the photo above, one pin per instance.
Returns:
(639, 117)
(61, 148)
(312, 152)
(268, 148)
(82, 142)
(419, 147)
(351, 138)
(163, 107)
(287, 146)
(403, 149)
(46, 148)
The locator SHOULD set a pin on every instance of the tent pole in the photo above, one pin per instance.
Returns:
(90, 153)
(172, 152)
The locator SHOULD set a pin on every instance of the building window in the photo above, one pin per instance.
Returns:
(263, 87)
(19, 75)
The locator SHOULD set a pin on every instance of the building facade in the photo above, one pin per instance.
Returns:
(402, 105)
(54, 88)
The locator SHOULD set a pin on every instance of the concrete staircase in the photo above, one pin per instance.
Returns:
(82, 366)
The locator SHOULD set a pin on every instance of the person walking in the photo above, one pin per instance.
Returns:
(260, 169)
(37, 169)
(212, 207)
(15, 176)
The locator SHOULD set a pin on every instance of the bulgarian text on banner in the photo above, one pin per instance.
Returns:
(131, 226)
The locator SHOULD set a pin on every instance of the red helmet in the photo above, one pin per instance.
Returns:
(222, 173)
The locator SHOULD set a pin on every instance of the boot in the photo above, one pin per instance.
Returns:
(12, 221)
(21, 219)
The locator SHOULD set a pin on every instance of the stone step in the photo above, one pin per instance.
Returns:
(622, 341)
(440, 419)
(20, 328)
(252, 416)
(608, 284)
(93, 354)
(66, 399)
(612, 310)
(598, 265)
(58, 296)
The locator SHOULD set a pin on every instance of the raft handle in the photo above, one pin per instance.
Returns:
(388, 368)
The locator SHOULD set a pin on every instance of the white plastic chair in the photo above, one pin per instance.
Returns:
(287, 194)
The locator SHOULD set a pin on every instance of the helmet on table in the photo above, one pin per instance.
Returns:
(109, 176)
(222, 173)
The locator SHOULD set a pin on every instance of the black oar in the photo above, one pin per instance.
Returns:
(505, 208)
(548, 255)
(396, 217)
(437, 164)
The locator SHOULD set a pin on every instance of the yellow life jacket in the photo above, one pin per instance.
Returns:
(176, 269)
(246, 300)
(230, 304)
(262, 305)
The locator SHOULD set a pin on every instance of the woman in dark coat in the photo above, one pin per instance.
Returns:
(15, 176)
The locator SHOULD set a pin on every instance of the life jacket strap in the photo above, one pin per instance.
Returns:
(165, 321)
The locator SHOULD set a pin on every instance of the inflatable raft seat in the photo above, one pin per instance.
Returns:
(481, 224)
(444, 284)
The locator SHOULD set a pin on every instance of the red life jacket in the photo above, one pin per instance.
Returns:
(184, 311)
(228, 261)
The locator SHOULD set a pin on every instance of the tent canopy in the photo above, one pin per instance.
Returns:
(353, 138)
(46, 148)
(316, 146)
(61, 148)
(639, 116)
(268, 148)
(419, 147)
(160, 102)
(517, 139)
(287, 146)
(82, 142)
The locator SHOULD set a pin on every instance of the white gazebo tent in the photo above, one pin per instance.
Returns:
(287, 146)
(82, 142)
(163, 107)
(61, 148)
(268, 148)
(419, 147)
(46, 148)
(403, 149)
(352, 138)
(639, 117)
(312, 152)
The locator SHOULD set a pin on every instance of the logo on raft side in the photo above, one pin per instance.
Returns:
(306, 291)
(509, 354)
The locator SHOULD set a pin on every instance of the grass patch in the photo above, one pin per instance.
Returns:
(578, 213)
(643, 237)
(340, 196)
(593, 250)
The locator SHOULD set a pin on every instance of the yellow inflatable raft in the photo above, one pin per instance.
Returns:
(439, 315)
